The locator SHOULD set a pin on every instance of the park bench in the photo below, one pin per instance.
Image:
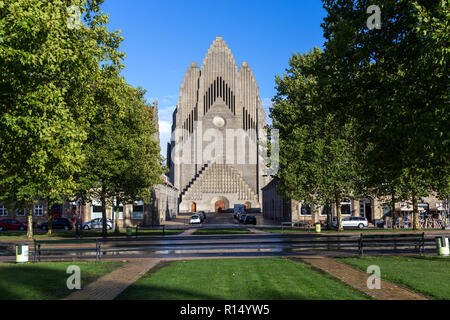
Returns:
(416, 240)
(57, 246)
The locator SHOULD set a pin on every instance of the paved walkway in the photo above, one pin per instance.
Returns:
(358, 279)
(110, 286)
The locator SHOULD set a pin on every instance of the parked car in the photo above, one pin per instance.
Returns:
(58, 223)
(97, 224)
(195, 219)
(353, 222)
(11, 224)
(242, 218)
(249, 220)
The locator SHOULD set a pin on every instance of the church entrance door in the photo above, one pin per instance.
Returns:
(220, 206)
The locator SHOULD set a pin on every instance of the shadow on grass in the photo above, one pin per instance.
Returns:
(45, 281)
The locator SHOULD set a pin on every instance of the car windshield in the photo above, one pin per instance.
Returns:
(194, 217)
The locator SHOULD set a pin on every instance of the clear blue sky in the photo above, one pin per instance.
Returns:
(161, 39)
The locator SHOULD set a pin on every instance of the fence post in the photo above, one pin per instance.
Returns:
(96, 250)
(34, 259)
(423, 243)
(360, 245)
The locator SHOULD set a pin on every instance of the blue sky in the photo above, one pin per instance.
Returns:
(162, 38)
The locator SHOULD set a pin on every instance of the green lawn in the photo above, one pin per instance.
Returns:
(427, 275)
(46, 281)
(86, 234)
(246, 279)
(221, 231)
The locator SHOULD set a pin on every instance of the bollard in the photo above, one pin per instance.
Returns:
(21, 253)
(129, 231)
(318, 227)
(442, 246)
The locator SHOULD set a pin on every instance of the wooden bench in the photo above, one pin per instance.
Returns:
(416, 240)
(39, 249)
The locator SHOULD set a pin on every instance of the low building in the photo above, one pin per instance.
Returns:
(280, 209)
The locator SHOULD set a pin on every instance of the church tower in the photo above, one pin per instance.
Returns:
(214, 157)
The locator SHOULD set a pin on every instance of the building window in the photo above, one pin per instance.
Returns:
(21, 212)
(424, 209)
(3, 211)
(305, 210)
(56, 210)
(328, 208)
(113, 209)
(96, 212)
(38, 210)
(138, 211)
(346, 207)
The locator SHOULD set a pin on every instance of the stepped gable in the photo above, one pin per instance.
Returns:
(220, 179)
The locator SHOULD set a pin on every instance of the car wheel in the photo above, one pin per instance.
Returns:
(66, 228)
(43, 228)
(86, 228)
(108, 227)
(21, 228)
(1, 228)
(361, 226)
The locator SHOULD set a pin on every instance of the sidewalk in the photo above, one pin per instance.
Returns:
(111, 285)
(358, 279)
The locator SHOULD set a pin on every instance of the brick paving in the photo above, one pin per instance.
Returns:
(358, 279)
(110, 286)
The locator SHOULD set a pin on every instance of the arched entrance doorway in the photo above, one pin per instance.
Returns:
(193, 207)
(219, 206)
(365, 209)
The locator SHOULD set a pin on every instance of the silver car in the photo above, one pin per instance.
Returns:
(353, 222)
(97, 224)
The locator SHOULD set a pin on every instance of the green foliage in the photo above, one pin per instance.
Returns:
(122, 157)
(55, 82)
(369, 114)
(317, 161)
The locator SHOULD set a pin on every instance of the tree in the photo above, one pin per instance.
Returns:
(397, 81)
(47, 77)
(317, 161)
(122, 158)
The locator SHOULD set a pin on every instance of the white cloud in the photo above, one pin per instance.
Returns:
(164, 127)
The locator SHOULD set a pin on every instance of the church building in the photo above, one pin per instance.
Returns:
(215, 156)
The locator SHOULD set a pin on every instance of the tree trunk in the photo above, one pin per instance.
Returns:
(393, 214)
(116, 218)
(415, 217)
(49, 219)
(337, 198)
(104, 231)
(329, 206)
(30, 220)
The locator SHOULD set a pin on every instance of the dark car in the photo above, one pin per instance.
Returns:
(242, 218)
(249, 220)
(11, 224)
(58, 223)
(202, 215)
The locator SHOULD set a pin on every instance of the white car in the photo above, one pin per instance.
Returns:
(353, 222)
(195, 219)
